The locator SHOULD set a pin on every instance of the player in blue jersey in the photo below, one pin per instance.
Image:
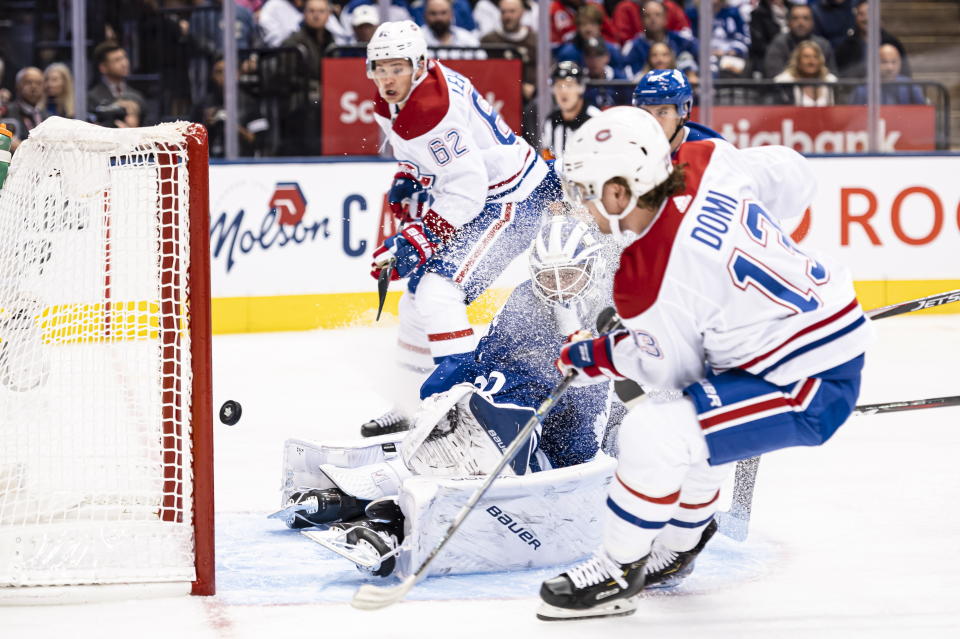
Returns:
(666, 95)
(471, 410)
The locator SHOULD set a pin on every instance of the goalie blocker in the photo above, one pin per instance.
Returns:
(526, 520)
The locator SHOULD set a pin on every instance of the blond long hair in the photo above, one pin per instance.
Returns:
(794, 63)
(64, 101)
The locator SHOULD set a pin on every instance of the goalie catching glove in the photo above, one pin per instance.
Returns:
(591, 358)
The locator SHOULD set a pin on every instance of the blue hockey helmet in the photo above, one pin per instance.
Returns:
(566, 260)
(665, 86)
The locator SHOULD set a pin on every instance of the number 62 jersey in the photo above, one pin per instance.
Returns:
(454, 142)
(715, 282)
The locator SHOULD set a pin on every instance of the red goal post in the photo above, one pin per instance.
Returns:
(106, 461)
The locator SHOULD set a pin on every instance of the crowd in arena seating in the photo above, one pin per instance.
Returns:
(156, 60)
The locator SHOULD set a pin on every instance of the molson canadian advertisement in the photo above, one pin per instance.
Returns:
(291, 243)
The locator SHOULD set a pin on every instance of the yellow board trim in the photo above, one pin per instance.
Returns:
(338, 310)
(331, 310)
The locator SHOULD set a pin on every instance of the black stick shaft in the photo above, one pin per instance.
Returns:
(914, 404)
(920, 304)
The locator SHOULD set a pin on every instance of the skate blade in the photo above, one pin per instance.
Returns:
(616, 608)
(286, 514)
(336, 542)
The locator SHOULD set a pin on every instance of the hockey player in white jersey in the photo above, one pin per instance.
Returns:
(764, 339)
(470, 193)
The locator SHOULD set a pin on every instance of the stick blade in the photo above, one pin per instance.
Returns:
(370, 597)
(729, 525)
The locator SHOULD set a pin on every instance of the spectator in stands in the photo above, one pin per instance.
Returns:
(832, 19)
(767, 21)
(206, 29)
(365, 20)
(567, 85)
(278, 19)
(589, 27)
(397, 11)
(851, 58)
(131, 114)
(563, 25)
(661, 56)
(628, 18)
(25, 112)
(461, 14)
(729, 42)
(313, 37)
(596, 54)
(5, 95)
(800, 28)
(114, 67)
(442, 32)
(890, 71)
(807, 63)
(58, 87)
(210, 112)
(637, 51)
(512, 31)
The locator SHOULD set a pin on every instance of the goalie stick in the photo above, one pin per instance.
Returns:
(370, 597)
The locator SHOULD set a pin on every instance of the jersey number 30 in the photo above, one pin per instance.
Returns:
(747, 270)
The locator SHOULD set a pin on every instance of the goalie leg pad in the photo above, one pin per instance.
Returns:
(302, 460)
(462, 432)
(527, 521)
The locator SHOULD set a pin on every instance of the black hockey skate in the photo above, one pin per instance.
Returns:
(598, 587)
(315, 507)
(667, 568)
(390, 422)
(371, 542)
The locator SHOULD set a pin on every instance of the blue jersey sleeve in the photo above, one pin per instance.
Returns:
(696, 131)
(514, 362)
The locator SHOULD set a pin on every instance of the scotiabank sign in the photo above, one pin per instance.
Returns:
(348, 124)
(834, 129)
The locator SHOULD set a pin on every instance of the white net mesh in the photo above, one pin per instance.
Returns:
(95, 370)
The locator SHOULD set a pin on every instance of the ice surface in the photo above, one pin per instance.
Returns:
(858, 538)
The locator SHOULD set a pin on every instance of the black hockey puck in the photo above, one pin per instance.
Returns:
(230, 412)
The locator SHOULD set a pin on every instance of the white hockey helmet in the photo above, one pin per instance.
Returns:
(402, 39)
(566, 260)
(624, 142)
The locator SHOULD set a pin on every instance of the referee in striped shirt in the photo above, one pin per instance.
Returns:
(567, 86)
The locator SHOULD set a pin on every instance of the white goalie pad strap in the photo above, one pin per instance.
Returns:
(302, 460)
(371, 481)
(526, 521)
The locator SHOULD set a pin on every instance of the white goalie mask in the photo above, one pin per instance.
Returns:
(565, 261)
(622, 142)
(396, 40)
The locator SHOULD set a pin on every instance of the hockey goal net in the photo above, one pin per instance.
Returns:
(105, 403)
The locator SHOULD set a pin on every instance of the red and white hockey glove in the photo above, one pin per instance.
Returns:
(408, 198)
(410, 248)
(592, 358)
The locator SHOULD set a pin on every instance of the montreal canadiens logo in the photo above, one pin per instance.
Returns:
(603, 135)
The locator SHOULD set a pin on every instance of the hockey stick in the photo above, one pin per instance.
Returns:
(930, 301)
(383, 283)
(370, 597)
(913, 404)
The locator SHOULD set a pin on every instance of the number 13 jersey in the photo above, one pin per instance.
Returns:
(714, 282)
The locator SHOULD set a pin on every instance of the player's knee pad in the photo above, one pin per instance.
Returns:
(658, 441)
(437, 293)
(703, 481)
(442, 304)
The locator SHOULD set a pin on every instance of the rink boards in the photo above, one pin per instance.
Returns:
(291, 242)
